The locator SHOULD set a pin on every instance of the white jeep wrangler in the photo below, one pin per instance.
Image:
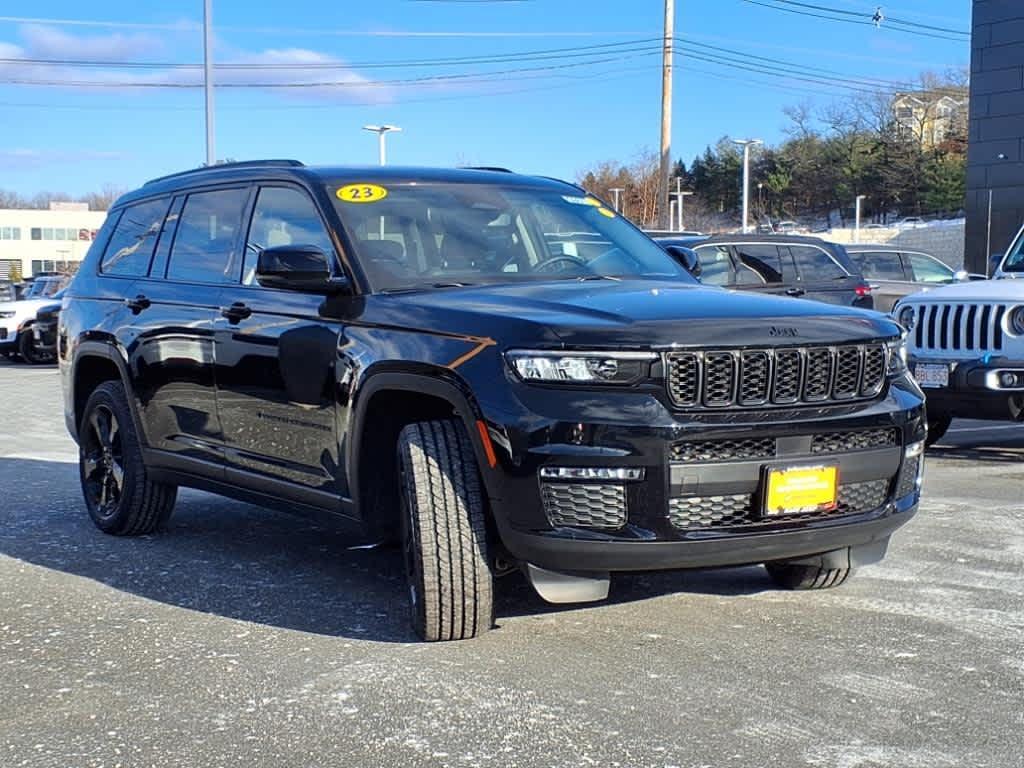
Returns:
(965, 344)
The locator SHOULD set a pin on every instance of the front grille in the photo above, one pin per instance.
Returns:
(752, 448)
(742, 510)
(584, 505)
(958, 327)
(753, 378)
(3, 333)
(839, 442)
(701, 451)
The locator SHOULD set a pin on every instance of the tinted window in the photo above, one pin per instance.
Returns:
(283, 216)
(814, 265)
(131, 246)
(879, 265)
(715, 264)
(759, 264)
(204, 245)
(928, 270)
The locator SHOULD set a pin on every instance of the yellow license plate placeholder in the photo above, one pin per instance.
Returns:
(799, 490)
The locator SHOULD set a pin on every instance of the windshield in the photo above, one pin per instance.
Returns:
(1014, 261)
(44, 288)
(414, 236)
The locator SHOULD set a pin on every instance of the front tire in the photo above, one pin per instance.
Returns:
(119, 495)
(938, 424)
(804, 577)
(444, 532)
(27, 349)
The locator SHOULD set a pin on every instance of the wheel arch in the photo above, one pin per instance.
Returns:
(398, 398)
(94, 363)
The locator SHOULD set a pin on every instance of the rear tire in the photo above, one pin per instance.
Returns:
(444, 532)
(938, 423)
(119, 495)
(802, 577)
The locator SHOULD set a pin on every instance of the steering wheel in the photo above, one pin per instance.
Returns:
(555, 259)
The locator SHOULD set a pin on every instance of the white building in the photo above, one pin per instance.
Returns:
(33, 241)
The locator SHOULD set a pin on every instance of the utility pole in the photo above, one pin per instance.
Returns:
(746, 144)
(617, 191)
(381, 131)
(856, 219)
(211, 151)
(666, 115)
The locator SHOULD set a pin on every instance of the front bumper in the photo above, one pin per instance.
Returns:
(702, 508)
(978, 389)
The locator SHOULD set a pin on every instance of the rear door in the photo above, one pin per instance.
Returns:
(276, 359)
(884, 271)
(174, 312)
(820, 276)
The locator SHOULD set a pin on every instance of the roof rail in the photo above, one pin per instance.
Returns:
(231, 165)
(494, 168)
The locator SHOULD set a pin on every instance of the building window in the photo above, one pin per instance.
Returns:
(904, 113)
(10, 233)
(37, 233)
(47, 233)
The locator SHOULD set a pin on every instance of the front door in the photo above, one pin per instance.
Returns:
(276, 359)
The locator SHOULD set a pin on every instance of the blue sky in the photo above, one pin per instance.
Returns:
(549, 113)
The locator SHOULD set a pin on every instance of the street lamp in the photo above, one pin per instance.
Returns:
(617, 191)
(856, 219)
(381, 131)
(679, 195)
(746, 144)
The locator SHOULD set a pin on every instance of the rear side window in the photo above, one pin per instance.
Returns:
(814, 265)
(759, 265)
(879, 265)
(205, 245)
(715, 265)
(131, 246)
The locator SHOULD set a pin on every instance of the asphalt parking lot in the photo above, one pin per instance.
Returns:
(246, 637)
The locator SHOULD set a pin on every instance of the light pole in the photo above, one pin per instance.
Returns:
(746, 144)
(211, 152)
(856, 219)
(381, 131)
(617, 191)
(665, 165)
(679, 194)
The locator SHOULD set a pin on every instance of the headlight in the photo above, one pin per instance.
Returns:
(581, 367)
(896, 354)
(1017, 321)
(905, 317)
(6, 315)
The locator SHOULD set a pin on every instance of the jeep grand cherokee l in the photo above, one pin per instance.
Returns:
(496, 370)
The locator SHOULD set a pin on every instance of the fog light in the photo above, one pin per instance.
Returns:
(914, 450)
(592, 473)
(1008, 380)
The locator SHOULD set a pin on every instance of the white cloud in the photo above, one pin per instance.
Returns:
(324, 76)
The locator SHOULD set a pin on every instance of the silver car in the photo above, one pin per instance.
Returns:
(896, 272)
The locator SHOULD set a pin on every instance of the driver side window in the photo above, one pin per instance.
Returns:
(283, 216)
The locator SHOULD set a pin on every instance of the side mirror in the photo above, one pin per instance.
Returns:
(961, 276)
(302, 268)
(687, 258)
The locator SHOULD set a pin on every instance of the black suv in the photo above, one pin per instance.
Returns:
(788, 265)
(494, 369)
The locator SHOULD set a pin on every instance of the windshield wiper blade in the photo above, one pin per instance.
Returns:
(585, 278)
(425, 286)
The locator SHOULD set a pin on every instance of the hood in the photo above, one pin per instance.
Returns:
(633, 313)
(974, 291)
(26, 307)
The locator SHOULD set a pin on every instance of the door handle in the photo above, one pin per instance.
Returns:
(236, 312)
(138, 304)
(795, 291)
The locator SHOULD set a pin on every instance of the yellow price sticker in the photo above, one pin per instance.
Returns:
(605, 212)
(361, 193)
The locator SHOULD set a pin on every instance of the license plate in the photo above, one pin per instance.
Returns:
(796, 490)
(933, 376)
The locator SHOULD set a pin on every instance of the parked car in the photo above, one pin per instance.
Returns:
(910, 222)
(17, 318)
(966, 346)
(789, 227)
(788, 265)
(8, 292)
(896, 272)
(430, 355)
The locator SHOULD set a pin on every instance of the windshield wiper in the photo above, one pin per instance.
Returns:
(585, 278)
(413, 288)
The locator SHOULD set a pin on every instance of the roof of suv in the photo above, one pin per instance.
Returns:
(292, 169)
(755, 238)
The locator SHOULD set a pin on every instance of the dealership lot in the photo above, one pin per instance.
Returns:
(247, 637)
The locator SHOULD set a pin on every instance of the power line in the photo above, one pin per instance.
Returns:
(862, 19)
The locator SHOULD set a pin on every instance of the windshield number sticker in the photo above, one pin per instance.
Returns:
(361, 193)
